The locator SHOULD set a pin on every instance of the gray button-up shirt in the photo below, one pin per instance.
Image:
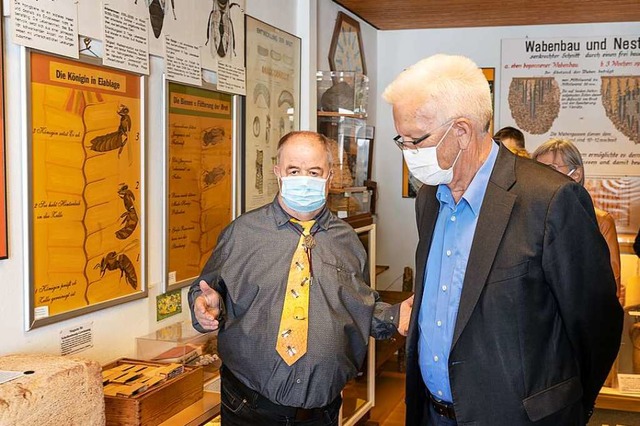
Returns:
(249, 268)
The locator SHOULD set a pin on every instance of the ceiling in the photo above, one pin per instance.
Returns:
(419, 14)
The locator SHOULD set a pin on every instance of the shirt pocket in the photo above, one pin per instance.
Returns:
(339, 273)
(501, 274)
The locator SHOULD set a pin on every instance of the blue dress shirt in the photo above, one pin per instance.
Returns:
(444, 275)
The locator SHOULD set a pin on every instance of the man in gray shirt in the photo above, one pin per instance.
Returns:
(243, 285)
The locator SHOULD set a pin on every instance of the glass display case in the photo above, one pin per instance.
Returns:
(180, 343)
(344, 92)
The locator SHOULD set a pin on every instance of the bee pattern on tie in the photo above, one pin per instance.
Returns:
(294, 322)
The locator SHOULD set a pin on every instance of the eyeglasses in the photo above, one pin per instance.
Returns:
(413, 144)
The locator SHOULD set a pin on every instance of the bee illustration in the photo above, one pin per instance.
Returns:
(220, 28)
(114, 140)
(156, 14)
(212, 135)
(213, 176)
(112, 261)
(130, 216)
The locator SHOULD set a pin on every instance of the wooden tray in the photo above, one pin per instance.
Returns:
(157, 404)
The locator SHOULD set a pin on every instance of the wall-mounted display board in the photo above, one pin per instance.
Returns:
(585, 89)
(200, 175)
(272, 106)
(4, 249)
(84, 153)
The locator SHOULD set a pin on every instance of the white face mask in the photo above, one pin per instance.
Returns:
(423, 164)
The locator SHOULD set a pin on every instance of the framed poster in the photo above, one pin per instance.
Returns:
(411, 185)
(199, 161)
(84, 156)
(4, 242)
(272, 106)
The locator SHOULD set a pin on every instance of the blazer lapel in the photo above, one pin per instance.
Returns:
(494, 217)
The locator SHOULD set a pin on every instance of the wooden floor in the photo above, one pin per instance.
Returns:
(389, 409)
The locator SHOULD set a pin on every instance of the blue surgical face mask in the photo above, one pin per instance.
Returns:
(303, 194)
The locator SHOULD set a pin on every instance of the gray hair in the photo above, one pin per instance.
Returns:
(325, 141)
(446, 87)
(568, 152)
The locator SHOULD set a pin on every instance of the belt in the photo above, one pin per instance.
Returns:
(297, 413)
(442, 408)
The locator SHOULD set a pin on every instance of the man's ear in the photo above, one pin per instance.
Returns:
(463, 130)
(276, 171)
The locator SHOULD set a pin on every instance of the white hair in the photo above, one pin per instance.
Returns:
(444, 87)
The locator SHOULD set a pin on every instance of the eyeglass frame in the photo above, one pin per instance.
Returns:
(400, 143)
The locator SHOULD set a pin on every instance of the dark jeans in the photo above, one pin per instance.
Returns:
(242, 406)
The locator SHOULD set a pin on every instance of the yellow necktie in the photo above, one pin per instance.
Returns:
(294, 321)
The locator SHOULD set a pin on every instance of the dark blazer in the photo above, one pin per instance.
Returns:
(539, 324)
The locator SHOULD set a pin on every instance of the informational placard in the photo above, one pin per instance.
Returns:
(585, 89)
(200, 177)
(272, 108)
(76, 339)
(231, 79)
(126, 43)
(86, 188)
(51, 25)
(182, 61)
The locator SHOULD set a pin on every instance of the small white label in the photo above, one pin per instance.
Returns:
(342, 214)
(41, 312)
(629, 383)
(7, 376)
(172, 277)
(76, 339)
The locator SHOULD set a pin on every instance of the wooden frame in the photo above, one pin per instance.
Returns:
(352, 52)
(201, 134)
(370, 232)
(84, 162)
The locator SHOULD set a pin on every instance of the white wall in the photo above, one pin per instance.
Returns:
(397, 237)
(115, 328)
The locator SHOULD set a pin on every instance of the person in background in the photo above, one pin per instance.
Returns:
(636, 244)
(562, 155)
(516, 320)
(287, 285)
(513, 139)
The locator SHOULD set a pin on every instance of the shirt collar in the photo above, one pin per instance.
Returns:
(282, 217)
(477, 188)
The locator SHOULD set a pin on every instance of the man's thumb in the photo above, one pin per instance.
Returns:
(204, 287)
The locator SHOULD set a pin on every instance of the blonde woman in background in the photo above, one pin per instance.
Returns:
(563, 156)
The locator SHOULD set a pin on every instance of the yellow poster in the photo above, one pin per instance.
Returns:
(86, 185)
(200, 166)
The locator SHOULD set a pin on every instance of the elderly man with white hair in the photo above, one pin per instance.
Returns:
(515, 319)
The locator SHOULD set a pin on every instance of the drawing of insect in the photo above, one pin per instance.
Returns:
(212, 135)
(112, 262)
(114, 140)
(220, 28)
(156, 14)
(213, 176)
(130, 216)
